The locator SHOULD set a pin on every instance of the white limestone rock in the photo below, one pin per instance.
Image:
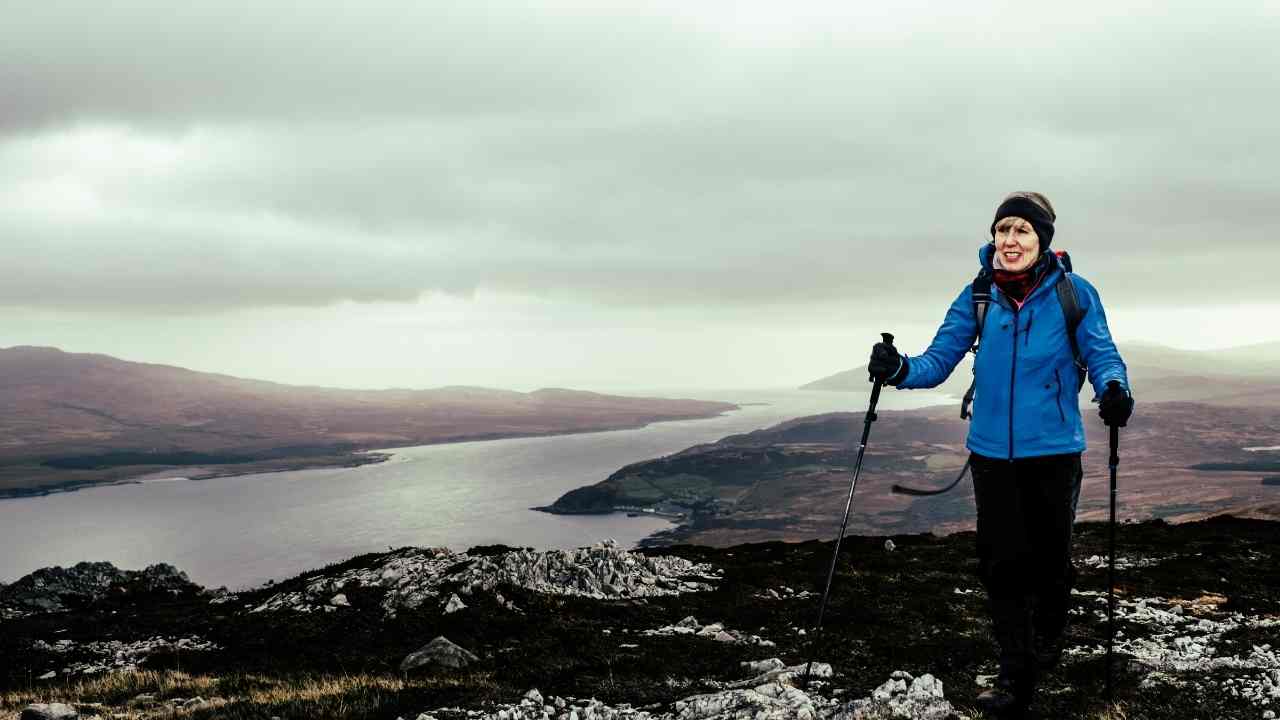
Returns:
(902, 696)
(439, 652)
(454, 605)
(771, 701)
(413, 576)
(102, 656)
(49, 711)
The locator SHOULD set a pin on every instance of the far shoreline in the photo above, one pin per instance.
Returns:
(354, 458)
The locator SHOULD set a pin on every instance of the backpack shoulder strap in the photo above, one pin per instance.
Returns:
(1073, 313)
(981, 300)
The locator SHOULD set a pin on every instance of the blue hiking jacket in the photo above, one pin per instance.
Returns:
(1026, 399)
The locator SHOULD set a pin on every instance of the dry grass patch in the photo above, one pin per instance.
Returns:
(113, 688)
(243, 696)
(1118, 711)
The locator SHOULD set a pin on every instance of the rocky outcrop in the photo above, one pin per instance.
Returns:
(102, 656)
(440, 652)
(770, 694)
(1181, 643)
(902, 696)
(1213, 652)
(49, 711)
(533, 707)
(770, 701)
(57, 589)
(714, 631)
(1122, 563)
(413, 576)
(784, 593)
(602, 571)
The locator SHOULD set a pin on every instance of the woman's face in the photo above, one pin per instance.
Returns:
(1017, 245)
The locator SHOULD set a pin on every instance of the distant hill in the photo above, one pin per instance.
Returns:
(1181, 461)
(1238, 376)
(72, 418)
(856, 379)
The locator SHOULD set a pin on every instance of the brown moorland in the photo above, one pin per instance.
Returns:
(72, 419)
(1204, 440)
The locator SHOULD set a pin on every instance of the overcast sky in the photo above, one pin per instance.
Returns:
(616, 195)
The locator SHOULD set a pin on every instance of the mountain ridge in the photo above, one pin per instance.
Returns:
(1248, 375)
(78, 407)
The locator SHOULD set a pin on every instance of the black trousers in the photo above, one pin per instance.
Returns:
(1026, 509)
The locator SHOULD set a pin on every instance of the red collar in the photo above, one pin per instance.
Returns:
(1018, 286)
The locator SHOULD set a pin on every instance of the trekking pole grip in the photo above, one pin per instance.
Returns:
(887, 338)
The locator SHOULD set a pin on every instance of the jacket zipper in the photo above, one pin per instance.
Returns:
(1058, 381)
(1013, 371)
(1031, 316)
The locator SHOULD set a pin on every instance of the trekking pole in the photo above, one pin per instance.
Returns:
(857, 469)
(1114, 461)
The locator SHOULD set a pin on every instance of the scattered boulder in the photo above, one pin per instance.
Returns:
(340, 600)
(49, 711)
(772, 701)
(602, 571)
(784, 593)
(902, 696)
(774, 671)
(100, 656)
(715, 631)
(439, 652)
(1122, 563)
(757, 667)
(889, 546)
(454, 605)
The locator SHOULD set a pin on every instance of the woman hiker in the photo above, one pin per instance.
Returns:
(1026, 435)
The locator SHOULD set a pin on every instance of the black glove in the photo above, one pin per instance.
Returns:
(886, 364)
(1116, 404)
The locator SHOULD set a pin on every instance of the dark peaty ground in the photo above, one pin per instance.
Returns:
(888, 611)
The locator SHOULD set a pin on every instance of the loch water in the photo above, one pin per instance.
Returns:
(241, 531)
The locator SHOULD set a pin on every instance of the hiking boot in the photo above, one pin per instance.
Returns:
(1005, 699)
(1048, 652)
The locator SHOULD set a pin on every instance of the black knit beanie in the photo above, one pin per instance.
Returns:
(1023, 205)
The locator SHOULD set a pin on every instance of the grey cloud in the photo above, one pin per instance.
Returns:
(165, 64)
(624, 157)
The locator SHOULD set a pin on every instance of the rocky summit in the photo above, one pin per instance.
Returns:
(58, 589)
(678, 633)
(413, 577)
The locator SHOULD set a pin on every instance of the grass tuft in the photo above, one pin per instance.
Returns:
(245, 695)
